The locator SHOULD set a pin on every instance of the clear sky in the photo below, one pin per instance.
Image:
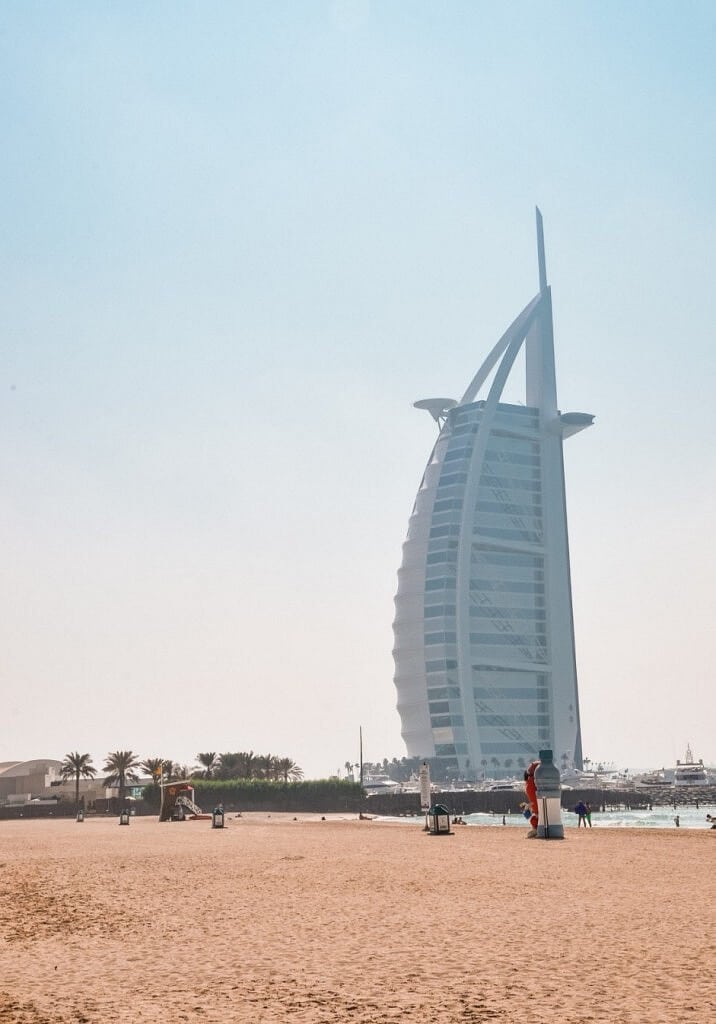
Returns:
(238, 241)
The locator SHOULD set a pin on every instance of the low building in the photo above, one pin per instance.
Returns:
(40, 780)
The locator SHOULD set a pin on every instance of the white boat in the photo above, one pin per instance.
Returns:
(650, 780)
(507, 785)
(373, 784)
(413, 786)
(573, 778)
(690, 772)
(602, 777)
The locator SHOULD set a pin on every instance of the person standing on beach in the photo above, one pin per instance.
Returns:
(581, 811)
(531, 791)
(588, 814)
(677, 821)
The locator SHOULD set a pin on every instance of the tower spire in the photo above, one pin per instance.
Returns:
(542, 263)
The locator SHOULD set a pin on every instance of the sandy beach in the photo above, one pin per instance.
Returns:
(279, 920)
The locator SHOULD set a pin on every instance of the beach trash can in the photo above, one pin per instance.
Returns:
(80, 815)
(549, 798)
(124, 817)
(217, 817)
(439, 820)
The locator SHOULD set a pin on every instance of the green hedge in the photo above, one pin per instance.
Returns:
(264, 795)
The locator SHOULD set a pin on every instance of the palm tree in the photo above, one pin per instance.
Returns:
(76, 766)
(288, 769)
(153, 766)
(121, 765)
(229, 765)
(247, 764)
(210, 763)
(264, 767)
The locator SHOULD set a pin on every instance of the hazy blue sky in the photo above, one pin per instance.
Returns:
(238, 241)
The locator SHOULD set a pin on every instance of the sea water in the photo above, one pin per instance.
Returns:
(659, 817)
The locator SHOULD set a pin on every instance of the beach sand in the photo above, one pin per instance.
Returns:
(276, 920)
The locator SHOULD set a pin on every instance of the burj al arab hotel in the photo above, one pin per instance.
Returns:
(484, 652)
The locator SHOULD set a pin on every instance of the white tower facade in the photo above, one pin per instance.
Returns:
(485, 666)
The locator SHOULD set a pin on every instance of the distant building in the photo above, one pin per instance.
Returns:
(25, 780)
(484, 643)
(40, 779)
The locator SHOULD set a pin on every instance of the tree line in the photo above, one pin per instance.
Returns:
(123, 768)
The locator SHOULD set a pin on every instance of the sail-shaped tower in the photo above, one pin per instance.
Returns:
(484, 652)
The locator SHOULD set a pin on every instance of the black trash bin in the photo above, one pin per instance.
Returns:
(439, 820)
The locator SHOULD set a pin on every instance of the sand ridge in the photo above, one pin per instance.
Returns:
(320, 921)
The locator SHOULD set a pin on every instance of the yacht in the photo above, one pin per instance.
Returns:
(573, 778)
(373, 784)
(506, 785)
(689, 772)
(601, 777)
(650, 780)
